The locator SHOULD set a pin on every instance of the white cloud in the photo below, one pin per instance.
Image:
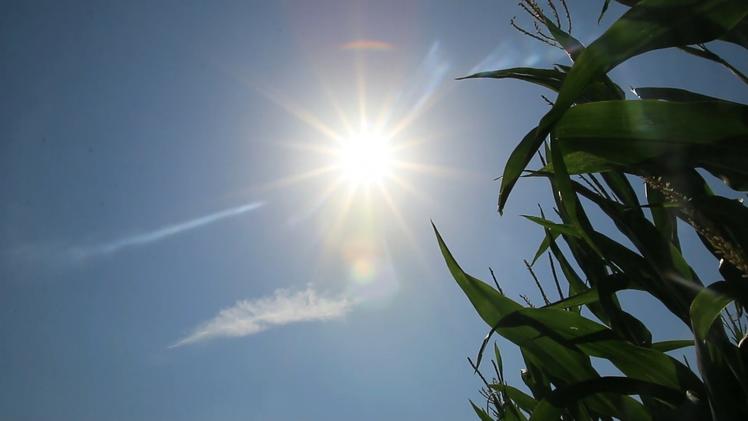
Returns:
(248, 317)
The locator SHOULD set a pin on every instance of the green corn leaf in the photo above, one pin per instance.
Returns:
(649, 25)
(553, 79)
(576, 332)
(604, 9)
(551, 357)
(568, 197)
(533, 376)
(544, 411)
(664, 218)
(707, 306)
(497, 358)
(603, 136)
(669, 274)
(517, 162)
(511, 413)
(583, 298)
(705, 53)
(666, 346)
(672, 94)
(549, 78)
(630, 132)
(522, 399)
(543, 246)
(621, 187)
(554, 227)
(568, 395)
(493, 307)
(571, 45)
(481, 412)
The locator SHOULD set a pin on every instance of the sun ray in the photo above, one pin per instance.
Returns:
(400, 220)
(313, 147)
(303, 115)
(414, 192)
(340, 217)
(431, 169)
(295, 178)
(369, 179)
(319, 202)
(361, 87)
(344, 120)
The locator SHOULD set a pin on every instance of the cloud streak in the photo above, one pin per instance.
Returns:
(248, 317)
(161, 233)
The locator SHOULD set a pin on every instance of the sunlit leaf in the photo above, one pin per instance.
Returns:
(649, 25)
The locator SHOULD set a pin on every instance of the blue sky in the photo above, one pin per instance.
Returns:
(163, 255)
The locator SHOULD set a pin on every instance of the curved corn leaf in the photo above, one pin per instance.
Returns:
(554, 227)
(549, 78)
(622, 188)
(649, 25)
(604, 9)
(554, 358)
(567, 396)
(707, 306)
(522, 399)
(669, 274)
(563, 184)
(606, 135)
(664, 218)
(704, 52)
(577, 332)
(533, 376)
(672, 94)
(497, 358)
(583, 298)
(482, 414)
(576, 286)
(666, 346)
(511, 413)
(627, 132)
(571, 45)
(543, 246)
(493, 307)
(553, 79)
(517, 162)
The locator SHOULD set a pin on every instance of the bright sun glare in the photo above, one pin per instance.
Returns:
(366, 158)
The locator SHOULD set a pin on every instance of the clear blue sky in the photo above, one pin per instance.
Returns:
(160, 256)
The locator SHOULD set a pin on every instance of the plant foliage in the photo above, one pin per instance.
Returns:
(594, 143)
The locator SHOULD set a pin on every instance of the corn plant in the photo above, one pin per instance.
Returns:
(597, 145)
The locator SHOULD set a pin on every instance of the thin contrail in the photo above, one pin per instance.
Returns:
(168, 231)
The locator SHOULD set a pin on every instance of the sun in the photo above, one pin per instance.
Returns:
(366, 158)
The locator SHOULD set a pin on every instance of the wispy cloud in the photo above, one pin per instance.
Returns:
(248, 317)
(160, 233)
